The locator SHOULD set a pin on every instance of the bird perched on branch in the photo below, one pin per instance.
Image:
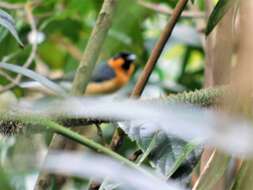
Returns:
(107, 77)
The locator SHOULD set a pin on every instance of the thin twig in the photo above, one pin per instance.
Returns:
(28, 62)
(168, 11)
(157, 50)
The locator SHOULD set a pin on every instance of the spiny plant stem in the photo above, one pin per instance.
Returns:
(204, 98)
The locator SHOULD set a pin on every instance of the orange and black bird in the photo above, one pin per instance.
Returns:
(107, 77)
(112, 75)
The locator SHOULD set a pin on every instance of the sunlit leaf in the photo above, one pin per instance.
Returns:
(7, 21)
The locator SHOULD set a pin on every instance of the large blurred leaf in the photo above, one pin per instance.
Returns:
(7, 21)
(218, 12)
(35, 76)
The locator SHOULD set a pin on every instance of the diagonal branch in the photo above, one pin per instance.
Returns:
(157, 50)
(93, 48)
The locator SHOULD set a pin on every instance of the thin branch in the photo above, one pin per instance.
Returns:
(168, 11)
(157, 50)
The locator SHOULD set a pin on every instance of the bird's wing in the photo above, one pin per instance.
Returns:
(103, 72)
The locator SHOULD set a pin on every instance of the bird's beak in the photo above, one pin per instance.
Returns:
(131, 57)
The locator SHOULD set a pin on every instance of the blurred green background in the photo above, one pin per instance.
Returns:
(65, 27)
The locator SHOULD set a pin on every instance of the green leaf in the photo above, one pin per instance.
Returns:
(218, 12)
(8, 22)
(35, 76)
(188, 148)
(166, 153)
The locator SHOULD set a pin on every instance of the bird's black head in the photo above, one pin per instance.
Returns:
(128, 59)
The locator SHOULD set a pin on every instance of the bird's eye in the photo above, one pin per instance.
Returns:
(126, 65)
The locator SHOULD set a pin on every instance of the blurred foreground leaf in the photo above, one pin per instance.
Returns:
(7, 21)
(35, 76)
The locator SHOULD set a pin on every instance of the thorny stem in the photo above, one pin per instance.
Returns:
(203, 98)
